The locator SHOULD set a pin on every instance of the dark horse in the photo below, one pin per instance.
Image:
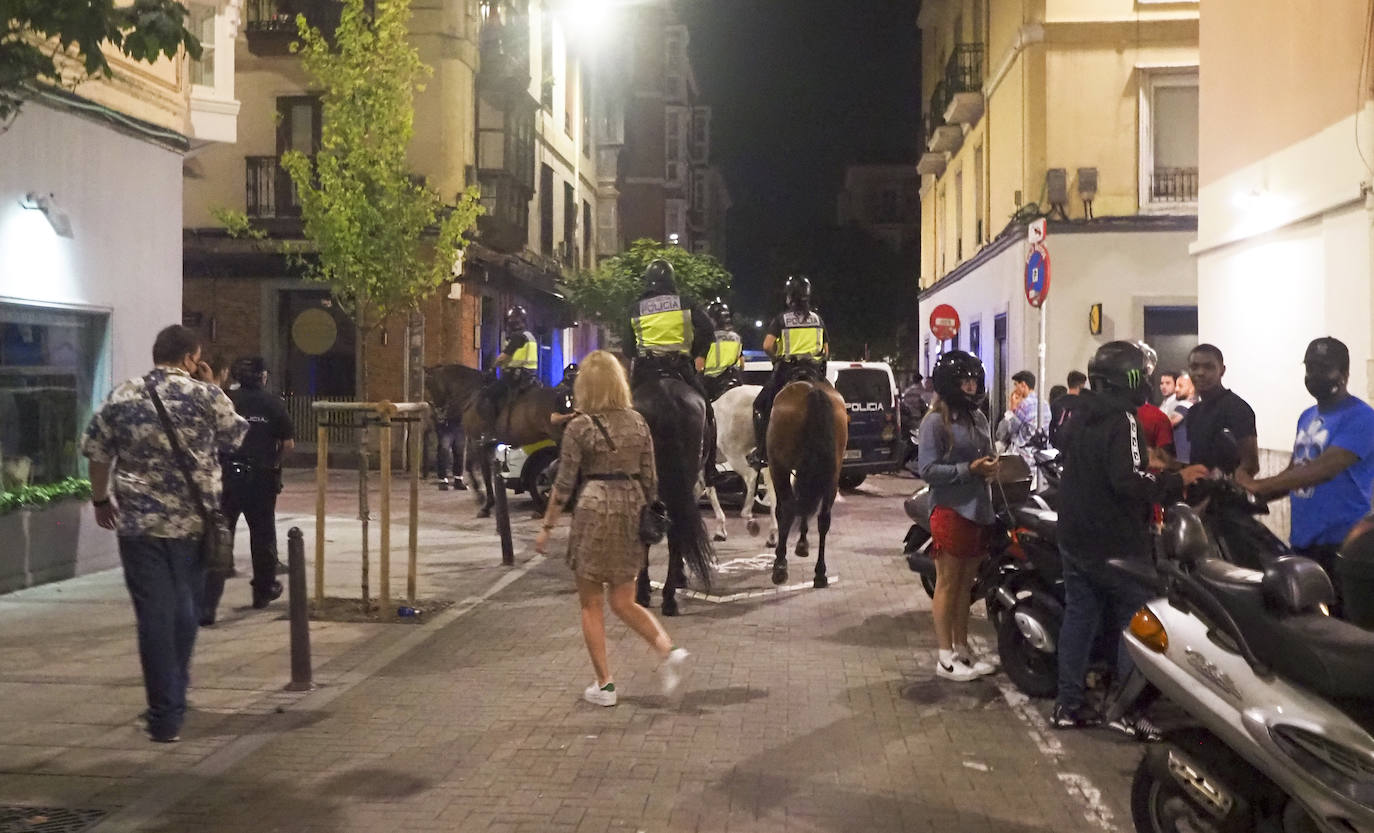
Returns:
(453, 393)
(676, 415)
(806, 438)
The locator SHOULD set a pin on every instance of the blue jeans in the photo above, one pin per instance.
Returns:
(164, 577)
(1094, 597)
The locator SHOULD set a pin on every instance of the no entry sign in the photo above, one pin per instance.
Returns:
(944, 322)
(1037, 275)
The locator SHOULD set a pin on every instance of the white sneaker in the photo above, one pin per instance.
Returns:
(599, 695)
(957, 670)
(670, 672)
(980, 668)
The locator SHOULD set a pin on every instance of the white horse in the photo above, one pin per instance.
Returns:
(734, 440)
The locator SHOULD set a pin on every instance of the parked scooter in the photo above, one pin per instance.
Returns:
(1281, 695)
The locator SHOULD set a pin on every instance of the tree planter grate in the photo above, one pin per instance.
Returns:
(16, 819)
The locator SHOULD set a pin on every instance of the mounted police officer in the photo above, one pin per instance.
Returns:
(252, 480)
(519, 365)
(725, 359)
(670, 339)
(796, 341)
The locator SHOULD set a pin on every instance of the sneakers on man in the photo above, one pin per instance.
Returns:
(600, 695)
(1136, 727)
(955, 669)
(262, 598)
(443, 485)
(670, 672)
(1077, 717)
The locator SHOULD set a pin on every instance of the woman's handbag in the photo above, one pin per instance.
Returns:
(653, 515)
(216, 539)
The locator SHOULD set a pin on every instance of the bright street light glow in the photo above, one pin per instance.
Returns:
(758, 323)
(587, 21)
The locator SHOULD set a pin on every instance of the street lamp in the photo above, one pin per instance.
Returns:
(758, 324)
(590, 19)
(672, 239)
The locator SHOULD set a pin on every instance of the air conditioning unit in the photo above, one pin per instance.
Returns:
(1087, 184)
(1057, 186)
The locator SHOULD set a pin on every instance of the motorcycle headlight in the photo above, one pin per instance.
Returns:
(1147, 628)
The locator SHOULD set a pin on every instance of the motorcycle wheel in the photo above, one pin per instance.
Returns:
(1033, 671)
(1160, 804)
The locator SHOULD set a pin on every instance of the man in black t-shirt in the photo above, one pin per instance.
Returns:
(252, 480)
(1219, 413)
(1062, 408)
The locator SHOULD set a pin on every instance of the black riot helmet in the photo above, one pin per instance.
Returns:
(660, 278)
(797, 290)
(720, 314)
(248, 371)
(948, 376)
(516, 318)
(1119, 367)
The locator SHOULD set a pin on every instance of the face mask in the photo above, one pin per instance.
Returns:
(1321, 387)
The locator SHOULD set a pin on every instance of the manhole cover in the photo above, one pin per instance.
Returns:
(47, 819)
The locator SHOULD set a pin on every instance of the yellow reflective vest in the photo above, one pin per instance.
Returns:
(802, 336)
(663, 325)
(726, 352)
(527, 357)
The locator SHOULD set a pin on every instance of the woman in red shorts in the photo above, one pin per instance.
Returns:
(958, 462)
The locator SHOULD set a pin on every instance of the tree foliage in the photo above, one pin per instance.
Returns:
(606, 294)
(60, 41)
(384, 239)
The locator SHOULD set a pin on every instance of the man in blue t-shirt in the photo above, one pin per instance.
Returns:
(1331, 478)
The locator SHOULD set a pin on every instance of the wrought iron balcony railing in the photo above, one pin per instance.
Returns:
(271, 193)
(964, 69)
(1173, 185)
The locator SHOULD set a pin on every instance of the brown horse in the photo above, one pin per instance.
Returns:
(806, 438)
(523, 421)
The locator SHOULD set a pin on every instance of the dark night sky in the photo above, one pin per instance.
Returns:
(799, 89)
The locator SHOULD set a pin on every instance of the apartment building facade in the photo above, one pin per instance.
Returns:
(653, 135)
(883, 200)
(503, 110)
(90, 266)
(1284, 245)
(1081, 111)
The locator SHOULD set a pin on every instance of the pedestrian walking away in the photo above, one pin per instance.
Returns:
(152, 511)
(252, 481)
(607, 448)
(958, 461)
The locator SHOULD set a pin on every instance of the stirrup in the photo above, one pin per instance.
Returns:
(756, 459)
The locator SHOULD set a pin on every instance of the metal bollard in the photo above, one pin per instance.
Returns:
(502, 508)
(300, 613)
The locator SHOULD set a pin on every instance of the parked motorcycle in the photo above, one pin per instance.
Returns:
(1280, 695)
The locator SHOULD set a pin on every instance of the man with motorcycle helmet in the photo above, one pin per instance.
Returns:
(518, 363)
(725, 359)
(796, 341)
(1107, 492)
(957, 460)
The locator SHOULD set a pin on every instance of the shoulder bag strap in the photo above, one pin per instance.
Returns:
(183, 459)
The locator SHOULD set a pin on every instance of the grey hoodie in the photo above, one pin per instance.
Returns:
(946, 469)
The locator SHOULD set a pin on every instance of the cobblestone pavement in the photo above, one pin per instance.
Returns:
(807, 710)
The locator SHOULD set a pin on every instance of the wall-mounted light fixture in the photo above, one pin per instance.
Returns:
(47, 203)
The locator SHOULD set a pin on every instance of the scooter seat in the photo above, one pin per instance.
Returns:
(1328, 656)
(1043, 523)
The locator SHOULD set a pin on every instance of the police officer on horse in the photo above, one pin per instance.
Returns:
(796, 341)
(519, 364)
(725, 359)
(670, 339)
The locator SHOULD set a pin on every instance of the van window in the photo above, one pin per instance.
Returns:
(864, 385)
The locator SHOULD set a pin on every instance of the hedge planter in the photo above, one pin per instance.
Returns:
(39, 545)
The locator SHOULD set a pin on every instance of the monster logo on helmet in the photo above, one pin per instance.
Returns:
(1119, 367)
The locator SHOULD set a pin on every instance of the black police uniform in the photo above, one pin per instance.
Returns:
(252, 480)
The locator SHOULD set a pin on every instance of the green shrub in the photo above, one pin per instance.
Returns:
(35, 497)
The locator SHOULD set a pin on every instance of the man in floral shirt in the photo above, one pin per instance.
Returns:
(152, 511)
(1026, 416)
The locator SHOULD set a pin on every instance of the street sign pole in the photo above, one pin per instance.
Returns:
(1041, 376)
(1037, 294)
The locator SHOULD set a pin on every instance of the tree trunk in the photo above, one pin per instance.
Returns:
(360, 391)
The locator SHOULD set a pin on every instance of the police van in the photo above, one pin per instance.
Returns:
(870, 393)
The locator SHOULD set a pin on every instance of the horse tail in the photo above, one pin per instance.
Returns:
(678, 473)
(816, 463)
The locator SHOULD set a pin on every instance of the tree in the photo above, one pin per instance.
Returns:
(60, 41)
(606, 294)
(384, 240)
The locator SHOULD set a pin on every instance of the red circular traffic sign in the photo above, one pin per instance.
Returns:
(944, 322)
(1037, 275)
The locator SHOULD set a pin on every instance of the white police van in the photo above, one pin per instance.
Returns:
(531, 469)
(870, 392)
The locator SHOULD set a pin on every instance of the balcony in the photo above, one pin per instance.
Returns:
(270, 193)
(505, 226)
(270, 25)
(941, 137)
(964, 84)
(932, 163)
(505, 59)
(1173, 185)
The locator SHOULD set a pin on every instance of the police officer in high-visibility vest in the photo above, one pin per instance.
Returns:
(796, 342)
(670, 338)
(519, 364)
(725, 359)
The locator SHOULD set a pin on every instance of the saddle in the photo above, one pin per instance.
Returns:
(718, 386)
(797, 371)
(664, 366)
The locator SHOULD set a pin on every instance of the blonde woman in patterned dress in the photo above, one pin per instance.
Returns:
(608, 444)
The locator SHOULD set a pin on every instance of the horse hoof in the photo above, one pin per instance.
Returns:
(803, 549)
(670, 607)
(821, 581)
(779, 575)
(772, 540)
(719, 536)
(642, 598)
(753, 526)
(484, 512)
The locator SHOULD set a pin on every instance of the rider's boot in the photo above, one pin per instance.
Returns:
(758, 458)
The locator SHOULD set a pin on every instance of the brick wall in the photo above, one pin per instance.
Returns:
(232, 304)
